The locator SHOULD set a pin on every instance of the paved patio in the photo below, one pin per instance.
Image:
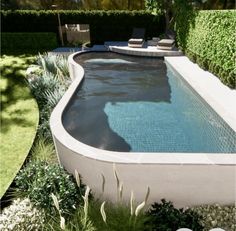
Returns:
(122, 48)
(147, 51)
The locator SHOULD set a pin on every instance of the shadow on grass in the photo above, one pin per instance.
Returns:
(14, 90)
(19, 117)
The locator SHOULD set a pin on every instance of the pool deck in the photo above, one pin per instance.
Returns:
(147, 51)
(121, 47)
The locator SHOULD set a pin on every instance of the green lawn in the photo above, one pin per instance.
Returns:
(19, 117)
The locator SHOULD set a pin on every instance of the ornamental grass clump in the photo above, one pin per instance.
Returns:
(80, 220)
(43, 150)
(38, 180)
(118, 216)
(107, 216)
(21, 216)
(55, 64)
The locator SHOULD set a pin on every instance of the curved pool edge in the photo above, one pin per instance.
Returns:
(167, 174)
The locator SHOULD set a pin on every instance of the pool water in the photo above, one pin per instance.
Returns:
(139, 105)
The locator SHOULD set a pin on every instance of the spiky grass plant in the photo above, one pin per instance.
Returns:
(54, 96)
(48, 84)
(114, 217)
(41, 84)
(55, 64)
(43, 150)
(79, 222)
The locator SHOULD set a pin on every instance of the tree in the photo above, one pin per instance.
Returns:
(171, 7)
(168, 7)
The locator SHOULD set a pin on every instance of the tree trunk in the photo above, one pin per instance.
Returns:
(167, 6)
(225, 4)
(129, 4)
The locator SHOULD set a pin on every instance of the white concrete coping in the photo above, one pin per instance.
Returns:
(59, 133)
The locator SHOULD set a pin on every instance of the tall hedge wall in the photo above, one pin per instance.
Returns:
(208, 38)
(104, 25)
(20, 41)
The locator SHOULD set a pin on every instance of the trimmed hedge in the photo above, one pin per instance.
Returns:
(18, 41)
(104, 25)
(208, 38)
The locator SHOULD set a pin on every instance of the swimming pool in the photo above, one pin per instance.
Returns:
(186, 178)
(138, 105)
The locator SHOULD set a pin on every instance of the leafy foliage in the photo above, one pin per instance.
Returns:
(215, 216)
(19, 41)
(208, 38)
(48, 85)
(104, 25)
(38, 180)
(165, 217)
(21, 216)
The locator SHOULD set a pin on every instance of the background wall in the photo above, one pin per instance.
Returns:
(104, 25)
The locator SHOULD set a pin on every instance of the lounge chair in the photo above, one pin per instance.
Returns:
(137, 39)
(168, 42)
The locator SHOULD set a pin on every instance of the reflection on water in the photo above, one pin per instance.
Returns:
(110, 80)
(134, 104)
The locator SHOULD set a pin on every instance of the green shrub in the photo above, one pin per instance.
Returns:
(29, 41)
(208, 37)
(165, 217)
(104, 25)
(38, 180)
(216, 216)
(21, 216)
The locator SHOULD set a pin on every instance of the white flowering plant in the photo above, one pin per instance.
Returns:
(21, 216)
(216, 216)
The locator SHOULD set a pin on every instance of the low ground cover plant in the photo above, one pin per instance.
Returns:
(214, 216)
(21, 215)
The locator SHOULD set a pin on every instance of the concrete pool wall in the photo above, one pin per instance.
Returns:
(184, 178)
